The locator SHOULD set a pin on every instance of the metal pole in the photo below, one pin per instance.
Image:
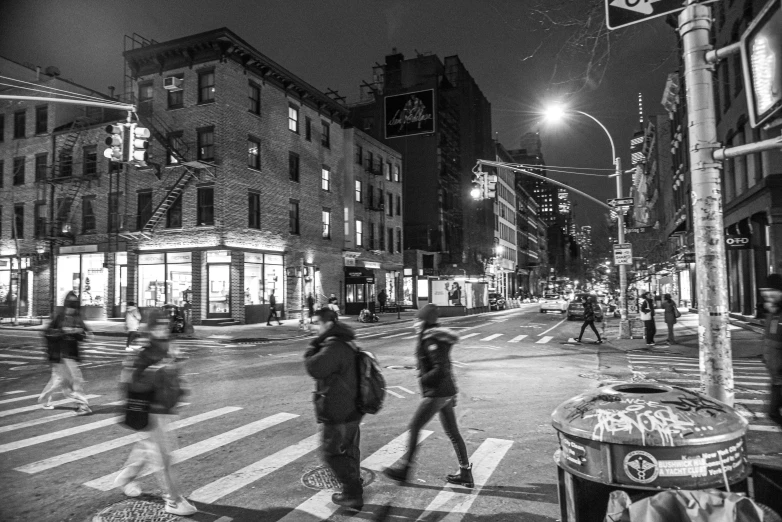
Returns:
(301, 295)
(398, 300)
(716, 365)
(624, 329)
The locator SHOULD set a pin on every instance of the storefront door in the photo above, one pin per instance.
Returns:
(219, 292)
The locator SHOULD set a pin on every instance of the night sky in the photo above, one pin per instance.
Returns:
(515, 59)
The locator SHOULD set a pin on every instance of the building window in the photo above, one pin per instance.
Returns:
(387, 171)
(359, 191)
(206, 144)
(293, 118)
(40, 220)
(20, 122)
(206, 87)
(176, 98)
(371, 244)
(145, 92)
(42, 119)
(308, 128)
(293, 166)
(325, 179)
(325, 136)
(254, 210)
(399, 205)
(359, 154)
(66, 164)
(114, 212)
(19, 171)
(2, 128)
(326, 218)
(399, 240)
(389, 204)
(174, 214)
(381, 238)
(391, 240)
(18, 231)
(89, 160)
(369, 161)
(41, 163)
(397, 176)
(173, 147)
(254, 153)
(88, 214)
(254, 95)
(144, 206)
(293, 216)
(359, 233)
(206, 206)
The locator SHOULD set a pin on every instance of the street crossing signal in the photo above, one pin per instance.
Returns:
(490, 189)
(117, 150)
(139, 143)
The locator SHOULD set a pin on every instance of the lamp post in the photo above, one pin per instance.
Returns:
(558, 112)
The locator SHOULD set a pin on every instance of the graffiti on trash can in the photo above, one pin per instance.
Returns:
(582, 409)
(660, 424)
(696, 404)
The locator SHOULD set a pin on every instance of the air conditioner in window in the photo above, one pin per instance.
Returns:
(172, 83)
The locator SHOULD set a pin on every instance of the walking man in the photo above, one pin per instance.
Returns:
(589, 318)
(647, 316)
(772, 343)
(439, 396)
(331, 361)
(272, 310)
(671, 313)
(311, 306)
(382, 298)
(132, 322)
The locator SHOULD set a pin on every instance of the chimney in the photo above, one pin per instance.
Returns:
(111, 92)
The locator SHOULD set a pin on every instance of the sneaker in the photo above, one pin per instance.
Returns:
(47, 406)
(83, 410)
(132, 489)
(650, 344)
(180, 507)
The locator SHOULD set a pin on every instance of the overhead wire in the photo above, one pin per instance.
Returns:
(60, 92)
(529, 165)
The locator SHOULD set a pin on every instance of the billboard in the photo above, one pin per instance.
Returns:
(448, 293)
(409, 114)
(477, 295)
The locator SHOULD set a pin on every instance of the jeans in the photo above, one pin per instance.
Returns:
(591, 324)
(132, 336)
(66, 378)
(340, 450)
(651, 329)
(426, 410)
(272, 313)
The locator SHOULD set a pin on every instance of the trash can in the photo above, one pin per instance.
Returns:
(643, 438)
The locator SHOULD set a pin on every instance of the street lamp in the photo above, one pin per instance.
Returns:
(556, 113)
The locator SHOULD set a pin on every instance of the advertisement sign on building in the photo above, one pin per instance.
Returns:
(737, 242)
(448, 293)
(409, 114)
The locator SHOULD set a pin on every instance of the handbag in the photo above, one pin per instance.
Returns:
(646, 316)
(676, 312)
(137, 406)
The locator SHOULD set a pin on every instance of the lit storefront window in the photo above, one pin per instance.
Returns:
(164, 278)
(262, 274)
(85, 275)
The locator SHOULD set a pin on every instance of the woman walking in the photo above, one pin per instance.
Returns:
(647, 316)
(439, 390)
(589, 318)
(671, 313)
(64, 334)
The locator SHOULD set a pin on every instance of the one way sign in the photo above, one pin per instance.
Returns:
(621, 13)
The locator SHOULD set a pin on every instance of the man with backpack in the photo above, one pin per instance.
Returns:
(332, 361)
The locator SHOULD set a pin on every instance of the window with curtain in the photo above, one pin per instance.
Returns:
(206, 87)
(206, 204)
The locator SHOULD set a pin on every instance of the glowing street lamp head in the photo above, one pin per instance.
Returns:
(554, 113)
(475, 192)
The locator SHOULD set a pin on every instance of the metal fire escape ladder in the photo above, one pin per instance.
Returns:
(170, 199)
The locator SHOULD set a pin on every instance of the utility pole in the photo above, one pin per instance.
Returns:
(716, 365)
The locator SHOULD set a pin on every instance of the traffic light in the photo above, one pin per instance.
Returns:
(478, 185)
(117, 150)
(139, 143)
(761, 56)
(491, 186)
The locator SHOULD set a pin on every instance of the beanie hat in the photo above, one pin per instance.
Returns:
(774, 281)
(326, 314)
(428, 314)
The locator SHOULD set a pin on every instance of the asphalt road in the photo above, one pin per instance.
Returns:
(248, 433)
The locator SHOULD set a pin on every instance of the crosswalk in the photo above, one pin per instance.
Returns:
(750, 378)
(94, 353)
(474, 335)
(286, 438)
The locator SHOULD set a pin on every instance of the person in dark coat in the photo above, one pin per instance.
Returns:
(439, 396)
(670, 313)
(647, 316)
(772, 343)
(382, 298)
(311, 306)
(331, 361)
(589, 318)
(272, 310)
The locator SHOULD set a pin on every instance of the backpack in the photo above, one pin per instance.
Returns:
(371, 383)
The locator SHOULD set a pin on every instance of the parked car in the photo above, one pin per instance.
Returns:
(497, 302)
(553, 303)
(575, 309)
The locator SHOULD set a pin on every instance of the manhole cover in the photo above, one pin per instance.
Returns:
(401, 367)
(323, 478)
(135, 510)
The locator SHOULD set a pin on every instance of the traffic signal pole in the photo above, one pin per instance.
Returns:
(716, 365)
(624, 328)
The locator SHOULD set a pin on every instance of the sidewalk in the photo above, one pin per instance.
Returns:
(241, 333)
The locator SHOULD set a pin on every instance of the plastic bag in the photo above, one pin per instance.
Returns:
(711, 505)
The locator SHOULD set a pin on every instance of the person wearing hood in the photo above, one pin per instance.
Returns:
(132, 322)
(439, 391)
(772, 343)
(331, 361)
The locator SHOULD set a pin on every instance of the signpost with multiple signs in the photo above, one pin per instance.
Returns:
(623, 254)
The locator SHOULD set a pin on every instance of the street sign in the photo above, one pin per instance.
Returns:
(737, 242)
(623, 254)
(636, 230)
(621, 202)
(621, 13)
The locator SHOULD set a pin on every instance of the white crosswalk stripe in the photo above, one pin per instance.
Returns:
(492, 337)
(23, 409)
(518, 338)
(463, 337)
(17, 399)
(544, 339)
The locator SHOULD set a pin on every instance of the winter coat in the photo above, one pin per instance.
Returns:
(331, 361)
(669, 308)
(589, 311)
(382, 297)
(67, 331)
(132, 319)
(434, 362)
(153, 370)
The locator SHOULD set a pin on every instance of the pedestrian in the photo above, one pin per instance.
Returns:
(647, 316)
(311, 306)
(331, 361)
(64, 334)
(772, 343)
(334, 304)
(589, 317)
(382, 298)
(671, 313)
(132, 322)
(272, 310)
(155, 369)
(439, 391)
